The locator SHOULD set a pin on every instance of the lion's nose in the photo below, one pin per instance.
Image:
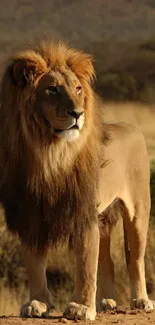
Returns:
(75, 114)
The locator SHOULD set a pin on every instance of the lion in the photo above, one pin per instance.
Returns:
(66, 175)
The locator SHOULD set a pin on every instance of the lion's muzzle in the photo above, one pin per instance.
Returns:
(71, 132)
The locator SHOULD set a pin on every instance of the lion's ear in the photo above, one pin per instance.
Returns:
(26, 70)
(23, 72)
(81, 64)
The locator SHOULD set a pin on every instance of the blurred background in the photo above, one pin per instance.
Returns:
(121, 36)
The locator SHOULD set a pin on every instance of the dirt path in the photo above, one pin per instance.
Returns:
(120, 317)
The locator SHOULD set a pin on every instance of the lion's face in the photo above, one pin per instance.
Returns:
(60, 101)
(53, 83)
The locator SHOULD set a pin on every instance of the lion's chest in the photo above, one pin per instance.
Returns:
(40, 220)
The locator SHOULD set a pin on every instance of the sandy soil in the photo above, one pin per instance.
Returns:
(121, 317)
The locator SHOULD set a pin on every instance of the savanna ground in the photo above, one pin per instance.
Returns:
(120, 317)
(13, 286)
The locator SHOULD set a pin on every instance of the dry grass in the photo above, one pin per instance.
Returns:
(11, 300)
(142, 116)
(60, 264)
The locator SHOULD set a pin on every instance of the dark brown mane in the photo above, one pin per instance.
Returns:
(47, 189)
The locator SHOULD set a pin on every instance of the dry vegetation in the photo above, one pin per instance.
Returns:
(140, 115)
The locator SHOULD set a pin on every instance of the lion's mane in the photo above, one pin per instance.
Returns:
(47, 189)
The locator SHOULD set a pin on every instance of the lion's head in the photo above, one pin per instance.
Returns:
(50, 91)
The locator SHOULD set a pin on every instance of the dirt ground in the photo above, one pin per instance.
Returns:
(122, 317)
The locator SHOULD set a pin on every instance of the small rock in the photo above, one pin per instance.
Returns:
(63, 320)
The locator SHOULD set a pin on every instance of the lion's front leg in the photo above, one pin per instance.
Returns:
(84, 305)
(40, 298)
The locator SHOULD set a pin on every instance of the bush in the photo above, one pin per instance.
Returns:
(117, 86)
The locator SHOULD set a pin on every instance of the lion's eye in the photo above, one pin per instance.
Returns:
(52, 90)
(78, 90)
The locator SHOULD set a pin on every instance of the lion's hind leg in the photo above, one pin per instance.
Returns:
(135, 234)
(40, 298)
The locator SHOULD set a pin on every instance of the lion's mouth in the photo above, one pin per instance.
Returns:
(73, 127)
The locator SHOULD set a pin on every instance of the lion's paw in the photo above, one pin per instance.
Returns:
(144, 304)
(34, 308)
(78, 311)
(108, 304)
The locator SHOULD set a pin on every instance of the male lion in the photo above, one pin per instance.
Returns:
(65, 175)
